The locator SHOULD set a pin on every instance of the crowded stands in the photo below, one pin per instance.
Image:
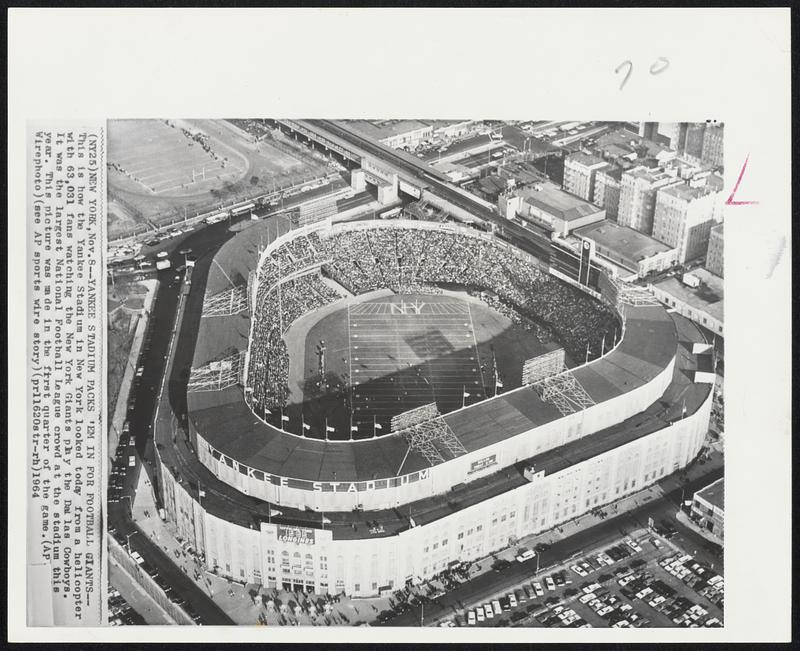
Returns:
(410, 260)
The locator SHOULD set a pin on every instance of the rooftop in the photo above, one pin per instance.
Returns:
(714, 494)
(585, 159)
(708, 297)
(380, 129)
(631, 141)
(622, 240)
(686, 192)
(558, 203)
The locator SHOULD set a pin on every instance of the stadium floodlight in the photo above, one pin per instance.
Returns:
(565, 392)
(433, 439)
(546, 365)
(226, 303)
(217, 375)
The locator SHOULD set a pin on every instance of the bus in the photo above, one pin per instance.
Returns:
(243, 209)
(216, 218)
(391, 214)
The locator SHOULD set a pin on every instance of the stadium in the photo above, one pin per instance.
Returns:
(368, 402)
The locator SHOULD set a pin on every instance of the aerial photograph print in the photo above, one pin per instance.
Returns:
(415, 372)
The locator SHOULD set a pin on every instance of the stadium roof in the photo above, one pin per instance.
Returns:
(224, 420)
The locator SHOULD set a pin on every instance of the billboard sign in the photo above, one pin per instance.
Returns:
(295, 535)
(483, 464)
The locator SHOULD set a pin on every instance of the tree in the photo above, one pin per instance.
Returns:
(253, 180)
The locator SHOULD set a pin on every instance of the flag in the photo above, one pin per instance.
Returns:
(325, 520)
(275, 512)
(466, 395)
(267, 411)
(328, 428)
(202, 493)
(306, 426)
(378, 426)
(284, 418)
(499, 383)
(353, 428)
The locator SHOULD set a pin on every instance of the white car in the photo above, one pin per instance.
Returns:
(471, 618)
(131, 461)
(633, 545)
(498, 609)
(548, 581)
(137, 557)
(480, 615)
(525, 555)
(487, 609)
(162, 254)
(512, 600)
(578, 570)
(140, 371)
(538, 588)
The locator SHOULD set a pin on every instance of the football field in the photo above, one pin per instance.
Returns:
(408, 352)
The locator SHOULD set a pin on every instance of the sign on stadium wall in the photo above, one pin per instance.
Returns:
(320, 486)
(482, 464)
(295, 535)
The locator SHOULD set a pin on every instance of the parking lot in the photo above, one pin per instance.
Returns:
(642, 580)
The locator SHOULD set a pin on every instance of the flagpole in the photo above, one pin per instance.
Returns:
(587, 353)
(603, 349)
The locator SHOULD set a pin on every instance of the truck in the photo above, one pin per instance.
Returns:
(690, 280)
(163, 264)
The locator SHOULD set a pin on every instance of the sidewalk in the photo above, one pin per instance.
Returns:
(686, 521)
(121, 408)
(139, 600)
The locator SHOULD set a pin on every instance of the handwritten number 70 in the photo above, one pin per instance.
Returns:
(658, 66)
